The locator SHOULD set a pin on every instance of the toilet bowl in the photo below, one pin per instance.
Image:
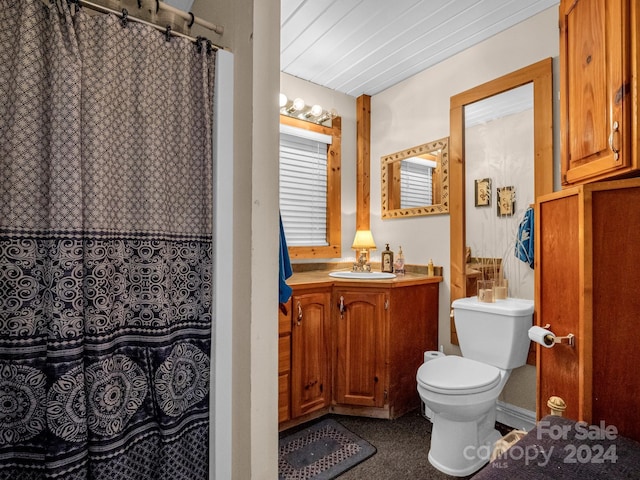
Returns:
(462, 395)
(461, 391)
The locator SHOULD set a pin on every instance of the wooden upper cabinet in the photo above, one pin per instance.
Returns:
(598, 83)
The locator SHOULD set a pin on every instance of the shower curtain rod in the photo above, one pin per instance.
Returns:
(163, 6)
(219, 29)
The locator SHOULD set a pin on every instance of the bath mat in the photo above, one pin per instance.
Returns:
(321, 452)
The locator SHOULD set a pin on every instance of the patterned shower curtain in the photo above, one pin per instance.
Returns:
(105, 247)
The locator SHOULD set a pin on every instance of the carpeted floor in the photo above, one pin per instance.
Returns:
(402, 447)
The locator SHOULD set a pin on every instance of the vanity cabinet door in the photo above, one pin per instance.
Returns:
(284, 362)
(359, 336)
(598, 42)
(310, 356)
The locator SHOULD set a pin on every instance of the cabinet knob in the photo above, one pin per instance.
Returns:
(311, 385)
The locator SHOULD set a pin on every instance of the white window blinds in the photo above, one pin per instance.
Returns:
(416, 183)
(303, 186)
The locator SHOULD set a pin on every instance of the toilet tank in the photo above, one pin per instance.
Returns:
(494, 333)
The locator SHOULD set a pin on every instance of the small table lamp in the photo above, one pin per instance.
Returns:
(362, 242)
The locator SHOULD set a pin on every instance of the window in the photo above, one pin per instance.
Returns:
(416, 182)
(310, 187)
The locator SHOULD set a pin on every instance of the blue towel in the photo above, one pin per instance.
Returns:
(524, 242)
(285, 267)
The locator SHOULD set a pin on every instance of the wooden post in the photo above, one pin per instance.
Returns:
(363, 162)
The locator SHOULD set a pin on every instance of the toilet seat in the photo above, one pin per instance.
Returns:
(454, 375)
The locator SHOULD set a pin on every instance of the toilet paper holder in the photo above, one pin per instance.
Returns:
(550, 339)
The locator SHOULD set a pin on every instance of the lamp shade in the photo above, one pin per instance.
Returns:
(363, 239)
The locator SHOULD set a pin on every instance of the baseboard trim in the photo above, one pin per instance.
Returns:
(515, 417)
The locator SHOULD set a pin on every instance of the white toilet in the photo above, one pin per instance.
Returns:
(462, 391)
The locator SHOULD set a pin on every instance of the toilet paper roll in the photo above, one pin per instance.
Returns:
(542, 336)
(431, 354)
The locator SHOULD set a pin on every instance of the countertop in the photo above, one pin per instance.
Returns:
(321, 278)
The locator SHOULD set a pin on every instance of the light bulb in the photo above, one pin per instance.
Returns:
(283, 100)
(298, 104)
(316, 110)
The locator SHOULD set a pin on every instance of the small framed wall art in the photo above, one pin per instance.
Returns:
(483, 192)
(506, 201)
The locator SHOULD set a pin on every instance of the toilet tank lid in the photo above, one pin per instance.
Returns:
(508, 306)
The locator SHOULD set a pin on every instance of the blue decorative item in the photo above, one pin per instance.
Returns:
(524, 241)
(285, 268)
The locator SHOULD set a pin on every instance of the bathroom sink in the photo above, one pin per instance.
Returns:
(362, 275)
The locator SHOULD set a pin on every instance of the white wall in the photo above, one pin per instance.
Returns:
(252, 33)
(221, 399)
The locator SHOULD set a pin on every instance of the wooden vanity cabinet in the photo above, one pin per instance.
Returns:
(380, 336)
(354, 348)
(599, 58)
(310, 351)
(587, 277)
(284, 362)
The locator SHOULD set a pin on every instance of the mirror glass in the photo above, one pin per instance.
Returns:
(499, 184)
(415, 181)
(501, 161)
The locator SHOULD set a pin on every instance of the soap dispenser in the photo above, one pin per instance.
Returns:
(387, 260)
(399, 265)
(430, 269)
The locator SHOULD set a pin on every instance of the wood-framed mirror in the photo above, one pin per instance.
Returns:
(539, 77)
(415, 181)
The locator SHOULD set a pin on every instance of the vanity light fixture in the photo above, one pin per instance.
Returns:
(362, 243)
(299, 109)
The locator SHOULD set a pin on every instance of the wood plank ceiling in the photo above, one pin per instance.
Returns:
(366, 46)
